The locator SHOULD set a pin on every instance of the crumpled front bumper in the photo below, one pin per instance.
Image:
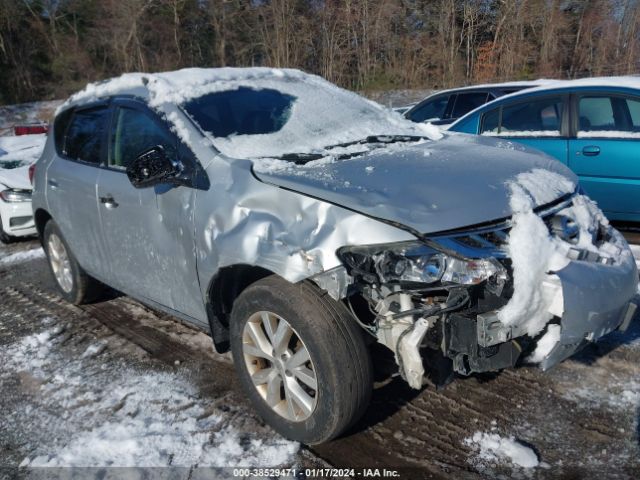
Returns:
(590, 299)
(598, 299)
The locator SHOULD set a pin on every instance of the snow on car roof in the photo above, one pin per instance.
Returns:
(630, 81)
(322, 114)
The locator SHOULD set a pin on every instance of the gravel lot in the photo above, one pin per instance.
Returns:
(117, 384)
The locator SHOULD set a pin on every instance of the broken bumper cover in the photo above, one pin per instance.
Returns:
(590, 300)
(598, 299)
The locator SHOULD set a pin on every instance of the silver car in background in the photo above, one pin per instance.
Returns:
(301, 224)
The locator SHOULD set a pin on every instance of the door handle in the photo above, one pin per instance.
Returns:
(108, 201)
(52, 183)
(591, 151)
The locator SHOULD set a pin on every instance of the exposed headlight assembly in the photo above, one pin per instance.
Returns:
(13, 195)
(415, 262)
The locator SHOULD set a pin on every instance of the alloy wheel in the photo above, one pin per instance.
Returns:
(60, 264)
(280, 366)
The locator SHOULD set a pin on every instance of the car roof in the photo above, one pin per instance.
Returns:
(169, 86)
(631, 82)
(495, 86)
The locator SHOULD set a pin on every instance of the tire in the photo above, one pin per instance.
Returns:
(4, 236)
(338, 358)
(77, 287)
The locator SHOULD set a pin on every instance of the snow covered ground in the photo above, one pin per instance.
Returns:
(124, 416)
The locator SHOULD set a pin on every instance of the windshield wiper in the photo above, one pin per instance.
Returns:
(301, 158)
(304, 158)
(392, 138)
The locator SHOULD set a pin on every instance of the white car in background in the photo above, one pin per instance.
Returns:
(17, 154)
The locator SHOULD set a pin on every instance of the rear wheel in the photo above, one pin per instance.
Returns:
(73, 283)
(301, 359)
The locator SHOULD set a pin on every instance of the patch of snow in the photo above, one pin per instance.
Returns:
(94, 349)
(543, 186)
(546, 344)
(608, 134)
(24, 256)
(621, 393)
(136, 419)
(492, 447)
(522, 133)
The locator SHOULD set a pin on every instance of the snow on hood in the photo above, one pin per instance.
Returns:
(20, 152)
(459, 181)
(322, 114)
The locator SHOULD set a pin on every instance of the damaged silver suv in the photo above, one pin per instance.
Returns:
(302, 224)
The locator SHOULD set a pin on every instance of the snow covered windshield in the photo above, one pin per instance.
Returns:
(289, 113)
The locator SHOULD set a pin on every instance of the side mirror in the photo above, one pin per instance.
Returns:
(153, 167)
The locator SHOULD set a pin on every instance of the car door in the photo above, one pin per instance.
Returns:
(540, 122)
(148, 231)
(71, 186)
(605, 152)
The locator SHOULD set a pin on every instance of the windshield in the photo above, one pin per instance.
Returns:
(280, 115)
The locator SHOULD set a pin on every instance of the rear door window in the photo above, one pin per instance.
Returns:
(609, 116)
(83, 141)
(467, 102)
(432, 110)
(534, 118)
(134, 132)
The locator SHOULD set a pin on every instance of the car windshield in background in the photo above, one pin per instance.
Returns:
(11, 164)
(244, 111)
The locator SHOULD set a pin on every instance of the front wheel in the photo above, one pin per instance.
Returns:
(301, 359)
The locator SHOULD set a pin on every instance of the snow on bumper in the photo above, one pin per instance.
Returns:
(598, 299)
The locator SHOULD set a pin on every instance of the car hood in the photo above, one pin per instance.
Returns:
(458, 181)
(15, 177)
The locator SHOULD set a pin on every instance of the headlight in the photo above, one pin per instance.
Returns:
(14, 195)
(415, 262)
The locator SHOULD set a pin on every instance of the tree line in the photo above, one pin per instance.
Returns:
(50, 48)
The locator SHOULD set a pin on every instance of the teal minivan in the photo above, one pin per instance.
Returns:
(591, 125)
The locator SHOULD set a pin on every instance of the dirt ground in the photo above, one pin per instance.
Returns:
(581, 418)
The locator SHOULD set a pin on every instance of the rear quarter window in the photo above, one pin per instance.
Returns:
(60, 125)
